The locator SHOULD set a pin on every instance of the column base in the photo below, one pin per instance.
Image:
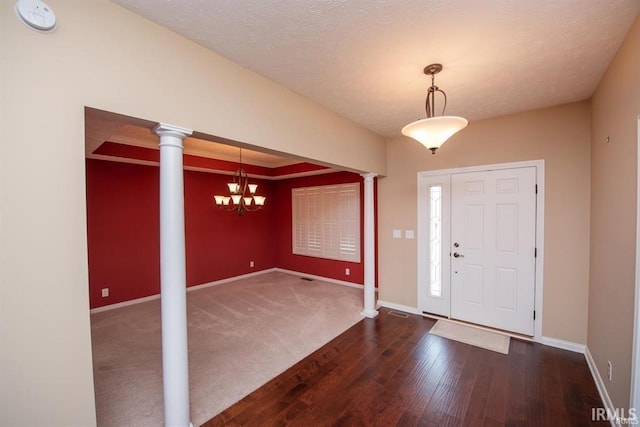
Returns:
(370, 313)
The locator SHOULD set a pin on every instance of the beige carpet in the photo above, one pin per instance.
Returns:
(241, 335)
(472, 336)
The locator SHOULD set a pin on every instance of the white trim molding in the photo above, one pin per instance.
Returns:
(634, 399)
(602, 389)
(230, 279)
(189, 289)
(324, 279)
(562, 344)
(399, 307)
(124, 304)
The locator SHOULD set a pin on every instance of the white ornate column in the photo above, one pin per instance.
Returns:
(369, 248)
(175, 360)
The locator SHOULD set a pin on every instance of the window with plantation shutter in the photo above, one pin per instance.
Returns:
(326, 221)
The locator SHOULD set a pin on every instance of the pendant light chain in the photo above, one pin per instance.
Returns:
(430, 103)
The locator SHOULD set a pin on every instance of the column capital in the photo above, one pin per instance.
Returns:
(162, 129)
(368, 176)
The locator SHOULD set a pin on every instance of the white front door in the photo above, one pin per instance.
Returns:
(493, 221)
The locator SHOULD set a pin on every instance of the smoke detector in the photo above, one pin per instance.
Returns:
(36, 15)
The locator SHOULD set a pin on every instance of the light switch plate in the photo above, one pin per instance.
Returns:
(397, 234)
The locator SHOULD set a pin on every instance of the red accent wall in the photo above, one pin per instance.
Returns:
(123, 231)
(123, 227)
(221, 244)
(296, 168)
(318, 266)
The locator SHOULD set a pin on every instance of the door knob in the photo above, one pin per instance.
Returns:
(457, 255)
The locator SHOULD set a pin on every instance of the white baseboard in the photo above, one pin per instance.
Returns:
(565, 345)
(230, 279)
(124, 304)
(602, 389)
(324, 279)
(399, 307)
(189, 289)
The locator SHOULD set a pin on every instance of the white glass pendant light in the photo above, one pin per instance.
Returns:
(433, 131)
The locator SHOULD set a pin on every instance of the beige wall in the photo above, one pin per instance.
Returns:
(105, 57)
(615, 110)
(560, 136)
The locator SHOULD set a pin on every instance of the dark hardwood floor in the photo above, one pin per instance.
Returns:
(389, 371)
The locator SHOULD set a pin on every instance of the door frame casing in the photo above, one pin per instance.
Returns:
(426, 177)
(634, 398)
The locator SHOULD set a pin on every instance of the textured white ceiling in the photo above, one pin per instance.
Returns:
(364, 58)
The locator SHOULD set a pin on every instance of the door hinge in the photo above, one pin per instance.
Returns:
(534, 315)
(535, 252)
(536, 188)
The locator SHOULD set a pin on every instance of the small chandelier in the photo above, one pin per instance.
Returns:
(238, 199)
(433, 131)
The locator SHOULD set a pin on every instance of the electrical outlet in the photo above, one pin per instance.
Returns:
(347, 271)
(609, 370)
(105, 292)
(251, 264)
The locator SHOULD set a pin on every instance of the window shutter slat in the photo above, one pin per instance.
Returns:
(326, 221)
